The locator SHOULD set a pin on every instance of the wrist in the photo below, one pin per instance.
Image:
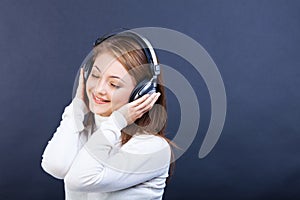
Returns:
(119, 119)
(79, 103)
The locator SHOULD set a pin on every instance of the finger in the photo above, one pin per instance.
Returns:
(149, 107)
(152, 99)
(155, 99)
(81, 79)
(81, 76)
(80, 88)
(148, 102)
(139, 100)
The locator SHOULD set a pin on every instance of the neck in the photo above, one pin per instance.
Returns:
(99, 119)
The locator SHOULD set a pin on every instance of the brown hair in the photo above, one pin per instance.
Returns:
(131, 55)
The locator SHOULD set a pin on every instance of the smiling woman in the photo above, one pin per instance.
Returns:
(110, 143)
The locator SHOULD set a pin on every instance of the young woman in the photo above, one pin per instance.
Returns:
(105, 147)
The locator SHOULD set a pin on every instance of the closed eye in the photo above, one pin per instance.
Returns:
(95, 76)
(114, 85)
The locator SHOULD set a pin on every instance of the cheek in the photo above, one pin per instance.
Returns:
(88, 88)
(89, 85)
(120, 96)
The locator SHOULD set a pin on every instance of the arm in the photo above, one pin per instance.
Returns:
(139, 160)
(66, 141)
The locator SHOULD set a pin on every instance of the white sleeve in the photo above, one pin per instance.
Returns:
(95, 169)
(65, 143)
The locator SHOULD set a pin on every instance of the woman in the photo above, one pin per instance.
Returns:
(105, 147)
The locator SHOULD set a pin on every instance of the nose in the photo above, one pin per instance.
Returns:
(101, 87)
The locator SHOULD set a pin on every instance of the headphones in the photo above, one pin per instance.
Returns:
(145, 86)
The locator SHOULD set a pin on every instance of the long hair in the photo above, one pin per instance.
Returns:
(131, 55)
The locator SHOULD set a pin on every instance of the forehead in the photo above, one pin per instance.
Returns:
(109, 64)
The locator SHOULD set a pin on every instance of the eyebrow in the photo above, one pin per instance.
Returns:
(112, 76)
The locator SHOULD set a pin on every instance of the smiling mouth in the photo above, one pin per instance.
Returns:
(99, 100)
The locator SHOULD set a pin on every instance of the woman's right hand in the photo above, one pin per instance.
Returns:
(80, 92)
(137, 108)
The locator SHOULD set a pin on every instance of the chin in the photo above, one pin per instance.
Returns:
(100, 111)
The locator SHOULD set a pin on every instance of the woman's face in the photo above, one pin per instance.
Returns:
(109, 85)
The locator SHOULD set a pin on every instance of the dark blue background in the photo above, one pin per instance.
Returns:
(255, 45)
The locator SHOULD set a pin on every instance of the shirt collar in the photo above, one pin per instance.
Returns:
(99, 119)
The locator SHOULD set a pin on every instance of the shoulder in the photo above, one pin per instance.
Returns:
(147, 144)
(151, 151)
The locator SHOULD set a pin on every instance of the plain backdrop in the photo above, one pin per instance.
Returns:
(255, 45)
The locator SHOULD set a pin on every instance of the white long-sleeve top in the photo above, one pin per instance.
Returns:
(95, 166)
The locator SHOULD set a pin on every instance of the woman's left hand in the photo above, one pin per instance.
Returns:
(134, 110)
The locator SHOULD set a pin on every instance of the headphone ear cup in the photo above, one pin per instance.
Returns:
(144, 87)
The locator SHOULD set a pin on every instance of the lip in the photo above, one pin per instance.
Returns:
(99, 100)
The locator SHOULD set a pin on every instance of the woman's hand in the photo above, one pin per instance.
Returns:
(80, 92)
(134, 110)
